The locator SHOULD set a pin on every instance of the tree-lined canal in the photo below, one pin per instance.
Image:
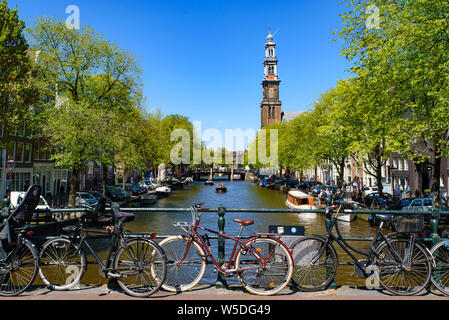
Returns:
(240, 194)
(243, 194)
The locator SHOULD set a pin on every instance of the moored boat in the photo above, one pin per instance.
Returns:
(346, 207)
(147, 199)
(163, 191)
(300, 200)
(209, 183)
(221, 188)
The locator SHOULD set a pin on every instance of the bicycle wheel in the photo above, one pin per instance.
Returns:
(183, 276)
(18, 269)
(270, 277)
(440, 274)
(407, 277)
(142, 265)
(314, 266)
(62, 264)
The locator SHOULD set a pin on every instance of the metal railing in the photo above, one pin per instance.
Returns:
(61, 215)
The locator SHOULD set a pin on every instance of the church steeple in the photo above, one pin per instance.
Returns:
(271, 105)
(271, 62)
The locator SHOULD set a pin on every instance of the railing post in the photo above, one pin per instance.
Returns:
(221, 281)
(328, 200)
(115, 208)
(435, 239)
(434, 224)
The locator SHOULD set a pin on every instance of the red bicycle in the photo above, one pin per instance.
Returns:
(263, 263)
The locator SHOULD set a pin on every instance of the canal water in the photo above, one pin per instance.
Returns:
(240, 194)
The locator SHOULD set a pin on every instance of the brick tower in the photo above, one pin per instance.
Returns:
(271, 105)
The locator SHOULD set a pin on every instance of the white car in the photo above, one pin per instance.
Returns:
(17, 197)
(369, 190)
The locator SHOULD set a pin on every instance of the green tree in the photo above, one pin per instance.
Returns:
(17, 90)
(406, 59)
(85, 75)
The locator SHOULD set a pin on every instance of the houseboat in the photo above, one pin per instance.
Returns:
(300, 200)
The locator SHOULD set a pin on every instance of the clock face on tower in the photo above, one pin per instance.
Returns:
(271, 93)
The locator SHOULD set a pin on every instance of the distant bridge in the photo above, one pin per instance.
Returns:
(199, 174)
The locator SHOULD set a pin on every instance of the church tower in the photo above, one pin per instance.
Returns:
(271, 105)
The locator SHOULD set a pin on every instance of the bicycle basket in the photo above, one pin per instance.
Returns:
(409, 223)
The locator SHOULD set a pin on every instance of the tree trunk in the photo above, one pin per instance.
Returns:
(379, 180)
(436, 181)
(105, 177)
(341, 172)
(73, 186)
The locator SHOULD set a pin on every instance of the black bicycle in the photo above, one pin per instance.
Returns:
(136, 261)
(19, 257)
(397, 261)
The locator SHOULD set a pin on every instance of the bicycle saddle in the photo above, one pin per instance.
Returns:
(244, 222)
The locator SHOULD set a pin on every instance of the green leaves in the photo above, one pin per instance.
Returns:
(17, 89)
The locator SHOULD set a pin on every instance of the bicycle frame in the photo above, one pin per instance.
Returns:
(80, 239)
(194, 236)
(330, 238)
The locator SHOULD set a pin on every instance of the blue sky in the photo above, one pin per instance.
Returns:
(204, 59)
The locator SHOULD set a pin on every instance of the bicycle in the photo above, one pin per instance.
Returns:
(262, 263)
(136, 261)
(19, 257)
(399, 263)
(440, 273)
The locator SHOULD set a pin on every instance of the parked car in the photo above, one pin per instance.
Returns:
(328, 189)
(306, 185)
(292, 183)
(85, 199)
(420, 204)
(369, 190)
(116, 193)
(372, 196)
(146, 184)
(398, 205)
(17, 197)
(135, 190)
(99, 195)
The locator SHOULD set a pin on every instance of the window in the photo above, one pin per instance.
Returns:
(19, 182)
(36, 151)
(19, 152)
(42, 152)
(27, 153)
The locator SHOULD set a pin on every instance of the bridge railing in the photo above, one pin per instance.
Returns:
(434, 215)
